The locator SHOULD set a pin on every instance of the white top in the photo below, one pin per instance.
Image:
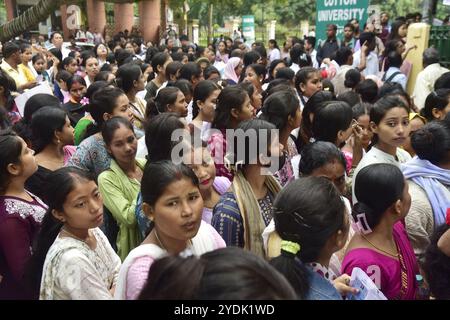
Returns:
(73, 271)
(142, 151)
(313, 55)
(189, 116)
(420, 220)
(375, 155)
(425, 83)
(399, 78)
(274, 54)
(372, 66)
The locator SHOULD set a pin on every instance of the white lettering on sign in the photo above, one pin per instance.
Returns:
(73, 17)
(329, 3)
(340, 14)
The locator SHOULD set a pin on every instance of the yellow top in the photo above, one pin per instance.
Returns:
(27, 72)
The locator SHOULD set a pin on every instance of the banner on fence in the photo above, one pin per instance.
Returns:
(248, 28)
(339, 12)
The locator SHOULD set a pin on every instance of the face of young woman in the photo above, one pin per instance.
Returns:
(177, 213)
(162, 69)
(39, 65)
(209, 54)
(252, 77)
(140, 83)
(367, 134)
(238, 69)
(123, 145)
(180, 105)
(102, 51)
(122, 108)
(208, 107)
(206, 170)
(415, 124)
(246, 111)
(394, 128)
(403, 31)
(72, 67)
(77, 91)
(440, 114)
(221, 47)
(92, 67)
(400, 47)
(147, 72)
(335, 172)
(66, 133)
(83, 208)
(129, 47)
(27, 161)
(313, 84)
(256, 101)
(26, 56)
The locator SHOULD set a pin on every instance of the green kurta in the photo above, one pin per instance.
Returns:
(80, 130)
(119, 195)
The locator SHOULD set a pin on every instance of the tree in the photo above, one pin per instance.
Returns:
(31, 17)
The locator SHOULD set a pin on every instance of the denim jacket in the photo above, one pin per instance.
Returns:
(320, 288)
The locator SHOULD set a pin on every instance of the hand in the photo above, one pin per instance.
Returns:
(55, 61)
(365, 48)
(326, 61)
(342, 285)
(28, 85)
(357, 134)
(408, 48)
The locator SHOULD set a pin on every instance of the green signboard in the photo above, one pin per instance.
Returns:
(248, 28)
(339, 12)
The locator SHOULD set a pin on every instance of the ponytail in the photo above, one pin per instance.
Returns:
(50, 229)
(290, 265)
(159, 104)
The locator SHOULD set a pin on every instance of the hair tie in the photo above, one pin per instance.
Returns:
(447, 219)
(290, 246)
(361, 223)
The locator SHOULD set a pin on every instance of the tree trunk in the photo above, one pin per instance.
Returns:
(29, 18)
(162, 31)
(210, 24)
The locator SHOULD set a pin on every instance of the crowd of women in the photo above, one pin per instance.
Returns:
(94, 205)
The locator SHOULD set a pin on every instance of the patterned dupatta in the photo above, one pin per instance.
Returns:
(250, 211)
(408, 266)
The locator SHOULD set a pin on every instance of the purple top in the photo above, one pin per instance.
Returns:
(387, 272)
(221, 185)
(19, 223)
(217, 145)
